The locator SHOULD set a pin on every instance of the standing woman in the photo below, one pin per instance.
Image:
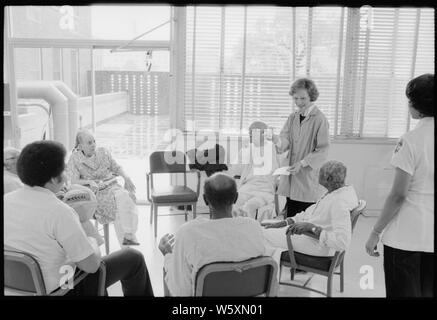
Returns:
(407, 218)
(305, 136)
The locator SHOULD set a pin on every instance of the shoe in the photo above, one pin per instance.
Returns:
(128, 242)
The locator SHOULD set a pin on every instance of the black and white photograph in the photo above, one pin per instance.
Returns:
(167, 150)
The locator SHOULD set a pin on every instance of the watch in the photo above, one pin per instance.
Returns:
(314, 229)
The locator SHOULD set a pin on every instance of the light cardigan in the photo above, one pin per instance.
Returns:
(307, 141)
(332, 213)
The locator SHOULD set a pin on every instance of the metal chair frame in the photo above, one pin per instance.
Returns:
(11, 254)
(150, 190)
(336, 261)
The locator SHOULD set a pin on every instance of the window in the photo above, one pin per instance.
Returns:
(241, 61)
(102, 22)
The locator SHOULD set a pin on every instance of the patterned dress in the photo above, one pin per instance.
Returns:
(99, 167)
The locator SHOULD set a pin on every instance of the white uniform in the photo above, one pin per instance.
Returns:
(412, 229)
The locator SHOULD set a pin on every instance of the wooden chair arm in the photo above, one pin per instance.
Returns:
(291, 252)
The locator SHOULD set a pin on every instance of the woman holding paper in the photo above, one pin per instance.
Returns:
(305, 136)
(95, 167)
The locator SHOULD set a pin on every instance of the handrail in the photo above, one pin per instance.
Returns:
(141, 35)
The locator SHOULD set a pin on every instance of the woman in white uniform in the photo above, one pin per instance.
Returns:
(407, 219)
(305, 136)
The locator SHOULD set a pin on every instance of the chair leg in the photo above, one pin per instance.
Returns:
(194, 210)
(106, 236)
(185, 208)
(155, 214)
(292, 272)
(342, 276)
(329, 291)
(151, 213)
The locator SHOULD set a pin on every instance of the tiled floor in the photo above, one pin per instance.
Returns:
(132, 138)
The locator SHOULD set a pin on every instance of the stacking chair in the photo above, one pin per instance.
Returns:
(23, 276)
(105, 235)
(249, 278)
(171, 195)
(325, 266)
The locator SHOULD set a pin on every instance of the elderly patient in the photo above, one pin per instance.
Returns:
(326, 224)
(95, 167)
(202, 241)
(39, 223)
(11, 181)
(255, 166)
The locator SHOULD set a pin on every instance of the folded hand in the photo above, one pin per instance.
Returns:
(166, 244)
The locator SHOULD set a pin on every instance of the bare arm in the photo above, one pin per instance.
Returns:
(90, 264)
(391, 208)
(395, 199)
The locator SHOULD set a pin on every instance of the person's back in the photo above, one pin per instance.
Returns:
(203, 241)
(219, 239)
(415, 155)
(33, 223)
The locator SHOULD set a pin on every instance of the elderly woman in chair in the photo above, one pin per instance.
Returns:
(95, 168)
(254, 167)
(324, 227)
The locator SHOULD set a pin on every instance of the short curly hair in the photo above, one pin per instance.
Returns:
(41, 161)
(420, 92)
(334, 174)
(306, 84)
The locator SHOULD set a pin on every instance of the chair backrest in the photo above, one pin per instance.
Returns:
(22, 274)
(253, 277)
(167, 162)
(355, 213)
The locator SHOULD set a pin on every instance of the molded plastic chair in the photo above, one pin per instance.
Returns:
(319, 265)
(23, 276)
(172, 195)
(249, 278)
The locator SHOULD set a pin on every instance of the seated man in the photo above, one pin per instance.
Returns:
(38, 223)
(80, 198)
(95, 167)
(202, 241)
(254, 167)
(326, 224)
(11, 181)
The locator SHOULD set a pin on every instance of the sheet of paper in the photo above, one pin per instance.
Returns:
(283, 171)
(269, 221)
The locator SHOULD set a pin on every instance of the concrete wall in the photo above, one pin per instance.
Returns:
(107, 106)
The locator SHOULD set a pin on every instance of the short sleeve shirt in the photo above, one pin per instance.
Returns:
(38, 223)
(412, 229)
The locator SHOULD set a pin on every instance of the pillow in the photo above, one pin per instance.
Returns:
(82, 200)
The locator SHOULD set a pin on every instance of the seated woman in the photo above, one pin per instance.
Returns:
(95, 167)
(326, 224)
(40, 224)
(254, 168)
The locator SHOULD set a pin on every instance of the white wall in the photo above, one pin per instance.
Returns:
(107, 105)
(369, 169)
